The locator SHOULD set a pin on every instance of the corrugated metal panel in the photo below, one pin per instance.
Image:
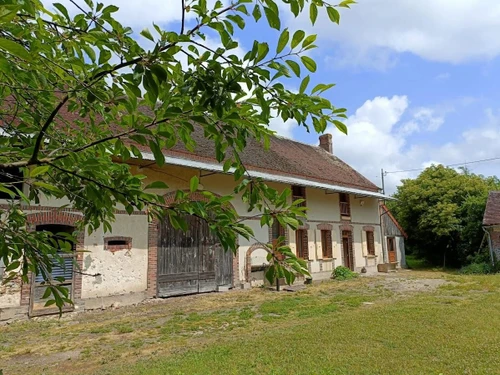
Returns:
(268, 176)
(66, 270)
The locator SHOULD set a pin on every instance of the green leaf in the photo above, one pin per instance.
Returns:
(294, 66)
(270, 274)
(297, 38)
(110, 9)
(61, 8)
(341, 126)
(256, 12)
(309, 63)
(283, 40)
(147, 34)
(104, 56)
(159, 72)
(303, 85)
(150, 85)
(333, 14)
(89, 51)
(15, 49)
(193, 185)
(262, 52)
(39, 170)
(158, 154)
(272, 18)
(313, 13)
(346, 3)
(156, 185)
(3, 189)
(309, 40)
(321, 87)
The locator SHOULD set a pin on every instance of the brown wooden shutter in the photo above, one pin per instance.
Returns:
(370, 242)
(328, 239)
(305, 245)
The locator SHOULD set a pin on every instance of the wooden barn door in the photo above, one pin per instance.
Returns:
(189, 261)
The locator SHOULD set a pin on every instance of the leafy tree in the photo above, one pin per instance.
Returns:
(442, 211)
(80, 95)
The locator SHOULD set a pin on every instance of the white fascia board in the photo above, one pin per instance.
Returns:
(267, 176)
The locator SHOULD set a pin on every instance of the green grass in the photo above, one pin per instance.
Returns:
(415, 263)
(353, 327)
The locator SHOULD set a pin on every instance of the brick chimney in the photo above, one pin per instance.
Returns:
(325, 142)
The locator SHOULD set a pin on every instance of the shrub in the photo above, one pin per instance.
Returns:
(343, 273)
(477, 269)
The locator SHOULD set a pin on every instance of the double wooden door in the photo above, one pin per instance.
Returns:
(192, 261)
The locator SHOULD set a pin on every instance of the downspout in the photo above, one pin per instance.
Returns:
(384, 243)
(490, 245)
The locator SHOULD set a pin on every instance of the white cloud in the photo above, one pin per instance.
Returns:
(371, 32)
(376, 141)
(140, 14)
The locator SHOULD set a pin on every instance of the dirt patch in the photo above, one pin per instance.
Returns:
(405, 285)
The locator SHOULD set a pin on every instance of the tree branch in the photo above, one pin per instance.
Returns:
(183, 16)
(39, 138)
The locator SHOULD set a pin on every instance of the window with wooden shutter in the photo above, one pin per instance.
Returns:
(302, 244)
(326, 244)
(345, 204)
(277, 231)
(299, 192)
(370, 242)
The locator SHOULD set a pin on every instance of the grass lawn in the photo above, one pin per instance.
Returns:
(412, 322)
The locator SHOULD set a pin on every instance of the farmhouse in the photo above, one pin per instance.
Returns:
(142, 259)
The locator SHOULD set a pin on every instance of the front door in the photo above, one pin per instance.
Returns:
(347, 251)
(391, 249)
(192, 261)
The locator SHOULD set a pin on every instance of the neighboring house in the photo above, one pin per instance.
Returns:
(491, 224)
(394, 236)
(140, 259)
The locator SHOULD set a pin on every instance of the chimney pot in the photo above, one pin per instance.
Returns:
(325, 142)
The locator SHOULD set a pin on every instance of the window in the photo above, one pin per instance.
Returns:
(302, 244)
(117, 243)
(345, 205)
(277, 230)
(299, 192)
(326, 244)
(370, 242)
(12, 178)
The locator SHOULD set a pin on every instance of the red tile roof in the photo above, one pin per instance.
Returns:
(285, 157)
(492, 211)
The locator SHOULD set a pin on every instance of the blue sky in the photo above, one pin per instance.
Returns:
(420, 79)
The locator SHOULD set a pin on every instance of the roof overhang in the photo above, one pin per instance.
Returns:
(268, 176)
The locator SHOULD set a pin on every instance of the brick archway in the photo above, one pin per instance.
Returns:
(153, 233)
(57, 217)
(248, 259)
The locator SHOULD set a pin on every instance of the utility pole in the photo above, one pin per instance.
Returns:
(382, 226)
(382, 174)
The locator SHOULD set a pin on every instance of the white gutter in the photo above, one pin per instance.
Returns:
(266, 176)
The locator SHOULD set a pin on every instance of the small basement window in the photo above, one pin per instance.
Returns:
(117, 243)
(11, 178)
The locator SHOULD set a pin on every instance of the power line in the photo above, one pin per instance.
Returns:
(449, 165)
